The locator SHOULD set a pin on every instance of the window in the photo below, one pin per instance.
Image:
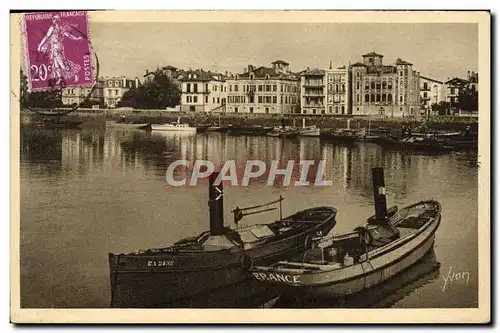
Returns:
(389, 98)
(230, 88)
(259, 99)
(267, 76)
(275, 99)
(195, 99)
(268, 87)
(213, 100)
(330, 77)
(188, 99)
(343, 87)
(389, 85)
(372, 99)
(400, 99)
(314, 111)
(384, 97)
(267, 110)
(367, 98)
(252, 76)
(452, 91)
(206, 99)
(236, 109)
(357, 84)
(330, 109)
(371, 60)
(192, 108)
(426, 86)
(343, 109)
(378, 97)
(401, 73)
(357, 98)
(206, 87)
(218, 100)
(188, 87)
(336, 88)
(336, 109)
(251, 98)
(378, 85)
(357, 74)
(281, 87)
(372, 85)
(195, 87)
(260, 87)
(425, 94)
(251, 109)
(275, 87)
(384, 84)
(235, 87)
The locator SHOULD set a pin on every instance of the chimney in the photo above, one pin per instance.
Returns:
(330, 65)
(136, 82)
(124, 82)
(215, 202)
(147, 72)
(250, 68)
(379, 195)
(226, 73)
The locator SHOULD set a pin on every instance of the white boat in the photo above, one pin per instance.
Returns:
(340, 265)
(173, 127)
(117, 124)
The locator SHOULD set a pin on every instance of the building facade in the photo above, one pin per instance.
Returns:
(203, 91)
(454, 86)
(431, 92)
(264, 90)
(339, 91)
(313, 91)
(384, 90)
(77, 95)
(115, 88)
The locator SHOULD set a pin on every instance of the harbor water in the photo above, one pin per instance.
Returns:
(86, 193)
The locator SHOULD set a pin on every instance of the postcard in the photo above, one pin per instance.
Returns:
(250, 167)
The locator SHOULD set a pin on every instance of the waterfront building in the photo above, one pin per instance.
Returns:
(431, 92)
(325, 91)
(173, 73)
(115, 88)
(76, 95)
(454, 86)
(203, 91)
(264, 90)
(384, 90)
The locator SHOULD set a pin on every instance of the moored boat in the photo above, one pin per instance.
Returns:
(60, 124)
(118, 124)
(309, 130)
(255, 130)
(339, 265)
(284, 132)
(173, 127)
(345, 136)
(216, 262)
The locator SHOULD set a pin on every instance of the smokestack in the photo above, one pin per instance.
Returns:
(379, 195)
(215, 202)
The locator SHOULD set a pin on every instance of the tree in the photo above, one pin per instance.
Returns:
(38, 100)
(441, 108)
(467, 99)
(159, 93)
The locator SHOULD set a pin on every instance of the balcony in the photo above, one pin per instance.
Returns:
(313, 93)
(313, 84)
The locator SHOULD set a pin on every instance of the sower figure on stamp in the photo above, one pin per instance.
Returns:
(62, 68)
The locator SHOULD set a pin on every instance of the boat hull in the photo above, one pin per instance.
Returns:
(170, 128)
(115, 124)
(310, 132)
(184, 280)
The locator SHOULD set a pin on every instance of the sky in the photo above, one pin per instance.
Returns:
(437, 50)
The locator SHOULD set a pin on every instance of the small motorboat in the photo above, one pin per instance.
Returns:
(340, 265)
(309, 130)
(210, 268)
(129, 125)
(345, 136)
(284, 132)
(173, 127)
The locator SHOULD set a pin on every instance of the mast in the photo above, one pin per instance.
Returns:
(216, 204)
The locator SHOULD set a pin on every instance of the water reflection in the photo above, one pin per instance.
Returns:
(90, 192)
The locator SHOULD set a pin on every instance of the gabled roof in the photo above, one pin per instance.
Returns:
(372, 54)
(457, 81)
(429, 79)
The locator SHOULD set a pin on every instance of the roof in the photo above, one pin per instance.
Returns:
(314, 71)
(372, 54)
(429, 79)
(169, 67)
(262, 72)
(200, 75)
(280, 62)
(400, 61)
(457, 81)
(358, 64)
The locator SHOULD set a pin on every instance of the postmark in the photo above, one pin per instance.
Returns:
(58, 51)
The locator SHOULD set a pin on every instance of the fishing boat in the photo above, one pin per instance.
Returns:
(284, 132)
(309, 130)
(213, 265)
(125, 125)
(256, 130)
(217, 127)
(339, 265)
(418, 143)
(345, 136)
